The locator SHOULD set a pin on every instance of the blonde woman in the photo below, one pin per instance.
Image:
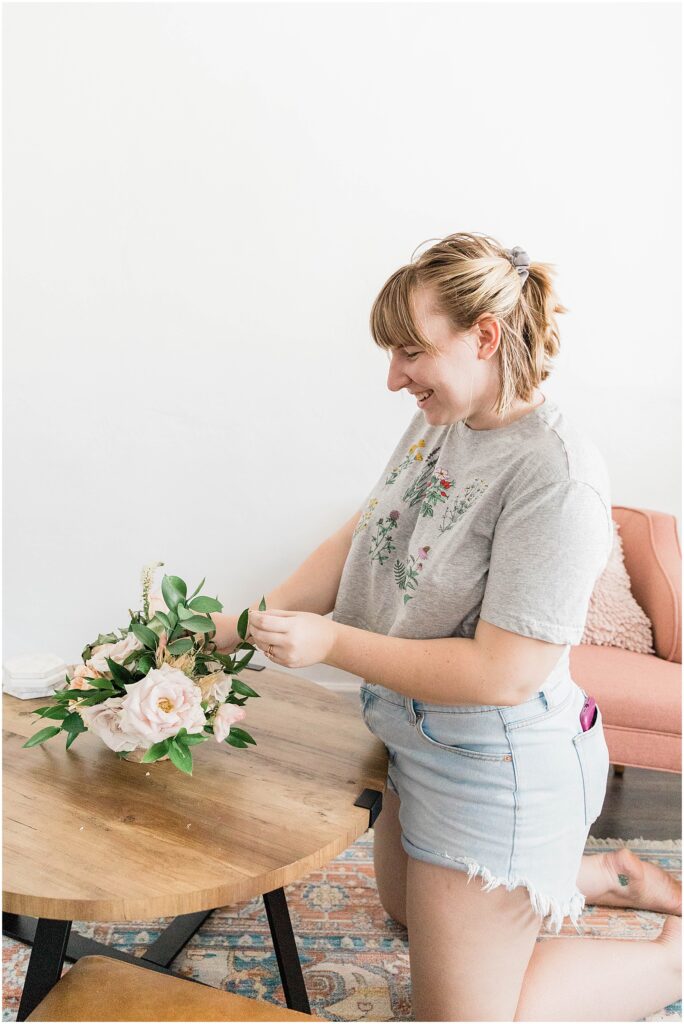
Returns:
(457, 591)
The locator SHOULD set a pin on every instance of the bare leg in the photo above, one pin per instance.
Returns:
(615, 879)
(620, 879)
(602, 979)
(468, 949)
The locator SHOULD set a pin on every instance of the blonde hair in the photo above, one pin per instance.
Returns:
(470, 275)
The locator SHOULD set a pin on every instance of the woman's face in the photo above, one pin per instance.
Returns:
(463, 376)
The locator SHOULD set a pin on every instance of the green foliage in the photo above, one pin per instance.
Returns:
(241, 734)
(156, 751)
(174, 591)
(181, 646)
(205, 604)
(239, 687)
(145, 635)
(40, 737)
(181, 756)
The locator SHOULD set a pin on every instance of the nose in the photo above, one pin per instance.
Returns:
(396, 377)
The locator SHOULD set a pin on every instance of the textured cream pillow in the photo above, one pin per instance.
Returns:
(614, 619)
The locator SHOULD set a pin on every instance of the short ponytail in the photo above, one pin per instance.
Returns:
(471, 275)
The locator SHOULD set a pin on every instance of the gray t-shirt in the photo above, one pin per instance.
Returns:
(512, 525)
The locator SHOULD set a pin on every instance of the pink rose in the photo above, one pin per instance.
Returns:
(162, 704)
(117, 652)
(105, 721)
(78, 681)
(227, 715)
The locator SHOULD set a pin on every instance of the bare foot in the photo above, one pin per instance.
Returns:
(625, 881)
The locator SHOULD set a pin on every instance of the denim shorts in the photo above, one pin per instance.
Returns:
(507, 793)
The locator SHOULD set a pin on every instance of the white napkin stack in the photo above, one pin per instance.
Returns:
(33, 675)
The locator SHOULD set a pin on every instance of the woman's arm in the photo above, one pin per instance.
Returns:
(494, 667)
(311, 588)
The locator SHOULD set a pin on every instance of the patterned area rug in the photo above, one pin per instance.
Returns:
(355, 958)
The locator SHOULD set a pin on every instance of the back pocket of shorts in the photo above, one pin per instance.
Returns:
(592, 753)
(443, 730)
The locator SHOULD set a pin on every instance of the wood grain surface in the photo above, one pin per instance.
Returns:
(88, 836)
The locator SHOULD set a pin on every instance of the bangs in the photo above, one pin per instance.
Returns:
(391, 321)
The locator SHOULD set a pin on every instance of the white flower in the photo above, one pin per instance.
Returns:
(105, 721)
(161, 704)
(117, 652)
(227, 715)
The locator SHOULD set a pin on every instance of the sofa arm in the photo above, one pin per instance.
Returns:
(653, 560)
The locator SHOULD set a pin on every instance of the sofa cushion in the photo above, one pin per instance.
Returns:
(634, 691)
(613, 617)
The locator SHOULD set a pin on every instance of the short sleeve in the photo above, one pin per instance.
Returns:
(548, 550)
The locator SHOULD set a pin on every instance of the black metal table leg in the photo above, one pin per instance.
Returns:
(372, 800)
(45, 964)
(286, 951)
(174, 938)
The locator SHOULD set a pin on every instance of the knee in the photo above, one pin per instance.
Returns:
(393, 907)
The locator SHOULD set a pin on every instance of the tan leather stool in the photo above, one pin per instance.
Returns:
(99, 988)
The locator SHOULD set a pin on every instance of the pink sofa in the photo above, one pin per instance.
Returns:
(640, 695)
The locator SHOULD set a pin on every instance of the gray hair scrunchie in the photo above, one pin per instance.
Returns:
(520, 260)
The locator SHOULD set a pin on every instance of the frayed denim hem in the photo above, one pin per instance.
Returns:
(552, 911)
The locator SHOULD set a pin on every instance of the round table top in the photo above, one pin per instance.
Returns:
(89, 836)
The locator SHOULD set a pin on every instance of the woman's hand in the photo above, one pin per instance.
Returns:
(295, 639)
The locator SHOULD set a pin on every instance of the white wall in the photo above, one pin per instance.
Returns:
(201, 203)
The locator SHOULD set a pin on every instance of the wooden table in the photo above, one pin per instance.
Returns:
(94, 838)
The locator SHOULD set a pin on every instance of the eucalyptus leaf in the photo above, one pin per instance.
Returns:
(197, 589)
(183, 613)
(70, 739)
(40, 737)
(262, 604)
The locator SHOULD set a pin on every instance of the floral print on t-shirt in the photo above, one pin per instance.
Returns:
(433, 489)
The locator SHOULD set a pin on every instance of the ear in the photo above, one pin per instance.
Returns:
(489, 334)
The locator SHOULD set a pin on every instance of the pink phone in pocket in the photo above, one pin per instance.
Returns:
(588, 714)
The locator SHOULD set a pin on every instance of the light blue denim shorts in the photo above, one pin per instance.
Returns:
(504, 793)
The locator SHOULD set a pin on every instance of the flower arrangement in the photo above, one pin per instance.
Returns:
(161, 686)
